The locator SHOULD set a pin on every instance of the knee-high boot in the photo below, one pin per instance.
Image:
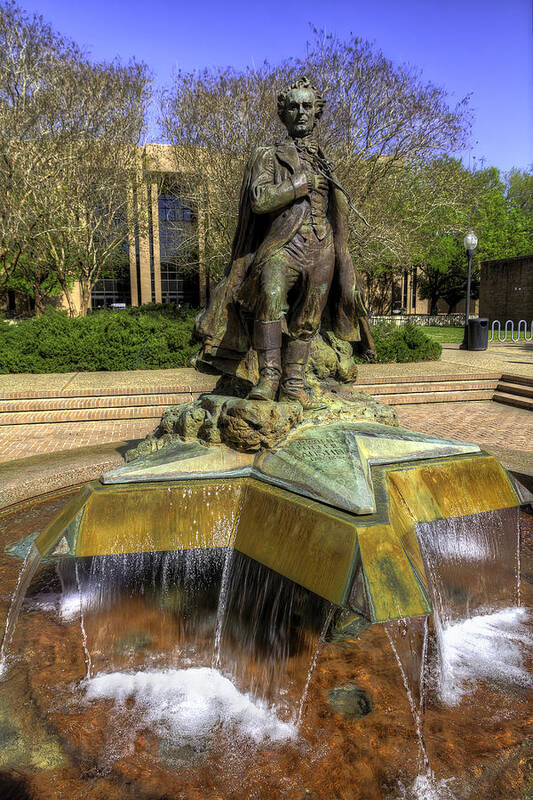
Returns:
(295, 357)
(267, 343)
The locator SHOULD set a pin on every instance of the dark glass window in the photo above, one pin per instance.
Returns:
(178, 285)
(113, 289)
(114, 286)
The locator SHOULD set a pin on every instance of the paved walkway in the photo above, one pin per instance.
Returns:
(21, 441)
(486, 423)
(514, 359)
(109, 382)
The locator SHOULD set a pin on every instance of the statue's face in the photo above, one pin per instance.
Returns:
(300, 112)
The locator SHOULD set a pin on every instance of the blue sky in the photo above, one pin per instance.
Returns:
(478, 47)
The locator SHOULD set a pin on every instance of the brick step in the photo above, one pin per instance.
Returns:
(44, 394)
(522, 379)
(420, 387)
(103, 401)
(514, 400)
(150, 405)
(435, 397)
(421, 378)
(205, 383)
(80, 415)
(521, 389)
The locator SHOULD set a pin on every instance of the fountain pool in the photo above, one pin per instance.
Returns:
(204, 674)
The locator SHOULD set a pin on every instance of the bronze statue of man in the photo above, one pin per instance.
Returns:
(290, 264)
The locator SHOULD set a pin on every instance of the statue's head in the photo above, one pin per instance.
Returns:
(300, 107)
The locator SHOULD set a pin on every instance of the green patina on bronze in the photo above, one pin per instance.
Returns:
(64, 523)
(291, 273)
(327, 462)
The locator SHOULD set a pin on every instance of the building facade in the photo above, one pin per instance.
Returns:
(400, 296)
(166, 235)
(506, 290)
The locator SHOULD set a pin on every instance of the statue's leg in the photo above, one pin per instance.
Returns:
(267, 343)
(318, 261)
(295, 358)
(271, 306)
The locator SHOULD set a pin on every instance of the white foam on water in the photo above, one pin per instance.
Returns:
(427, 787)
(188, 704)
(486, 647)
(65, 604)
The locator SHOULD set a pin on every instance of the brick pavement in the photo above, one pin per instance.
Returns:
(20, 441)
(483, 422)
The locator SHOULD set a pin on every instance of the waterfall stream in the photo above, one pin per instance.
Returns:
(319, 646)
(473, 569)
(27, 571)
(86, 652)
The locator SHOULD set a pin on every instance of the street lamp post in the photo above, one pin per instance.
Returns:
(470, 243)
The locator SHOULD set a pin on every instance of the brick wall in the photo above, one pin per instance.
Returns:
(506, 290)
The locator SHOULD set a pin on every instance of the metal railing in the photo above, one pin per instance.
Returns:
(509, 330)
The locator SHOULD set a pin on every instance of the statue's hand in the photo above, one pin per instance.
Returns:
(316, 182)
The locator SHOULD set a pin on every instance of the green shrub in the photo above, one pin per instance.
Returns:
(404, 343)
(153, 337)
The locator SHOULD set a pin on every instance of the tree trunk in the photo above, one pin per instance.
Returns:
(72, 312)
(85, 297)
(38, 299)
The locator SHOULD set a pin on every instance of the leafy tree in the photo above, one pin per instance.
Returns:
(30, 53)
(444, 274)
(501, 216)
(520, 189)
(503, 227)
(380, 122)
(69, 130)
(88, 204)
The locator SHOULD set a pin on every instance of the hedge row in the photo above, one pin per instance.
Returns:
(150, 337)
(147, 337)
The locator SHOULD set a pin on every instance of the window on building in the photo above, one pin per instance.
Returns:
(178, 286)
(179, 283)
(113, 289)
(114, 286)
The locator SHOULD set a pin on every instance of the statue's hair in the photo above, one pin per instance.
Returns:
(301, 83)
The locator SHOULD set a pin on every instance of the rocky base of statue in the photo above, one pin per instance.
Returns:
(252, 425)
(330, 357)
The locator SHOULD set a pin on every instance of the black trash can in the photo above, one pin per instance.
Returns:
(478, 333)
